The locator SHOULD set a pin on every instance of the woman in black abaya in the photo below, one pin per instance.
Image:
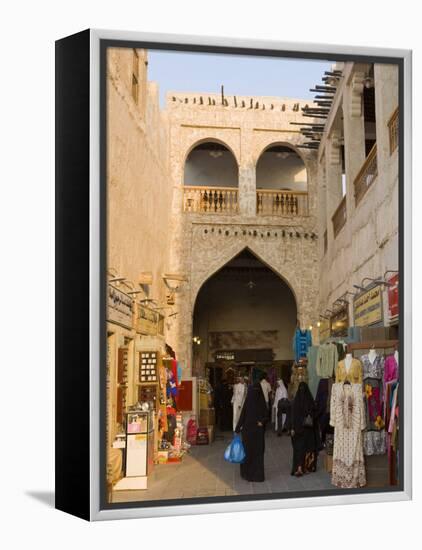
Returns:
(304, 432)
(251, 424)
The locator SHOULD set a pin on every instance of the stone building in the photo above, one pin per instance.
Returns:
(213, 188)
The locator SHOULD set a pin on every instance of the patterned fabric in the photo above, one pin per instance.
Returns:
(301, 342)
(327, 359)
(374, 438)
(348, 419)
(353, 375)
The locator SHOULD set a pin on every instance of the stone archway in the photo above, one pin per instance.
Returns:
(243, 305)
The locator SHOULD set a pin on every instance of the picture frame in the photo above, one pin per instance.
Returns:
(82, 288)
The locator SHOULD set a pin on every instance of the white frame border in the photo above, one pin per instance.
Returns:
(406, 409)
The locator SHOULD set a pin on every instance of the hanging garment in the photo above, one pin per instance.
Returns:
(251, 426)
(348, 419)
(374, 440)
(299, 374)
(353, 375)
(301, 342)
(280, 393)
(239, 396)
(327, 359)
(312, 373)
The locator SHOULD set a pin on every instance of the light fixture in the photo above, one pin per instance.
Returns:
(368, 82)
(251, 285)
(216, 154)
(361, 288)
(318, 324)
(310, 327)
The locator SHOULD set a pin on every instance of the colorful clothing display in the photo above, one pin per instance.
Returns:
(374, 441)
(347, 416)
(327, 359)
(352, 375)
(301, 343)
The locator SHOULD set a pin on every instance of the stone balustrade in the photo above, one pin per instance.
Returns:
(214, 200)
(393, 131)
(340, 217)
(273, 202)
(366, 174)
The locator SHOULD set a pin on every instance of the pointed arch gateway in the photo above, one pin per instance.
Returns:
(244, 305)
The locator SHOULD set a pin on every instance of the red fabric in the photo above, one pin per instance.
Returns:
(174, 371)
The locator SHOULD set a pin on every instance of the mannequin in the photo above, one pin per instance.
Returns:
(372, 355)
(348, 361)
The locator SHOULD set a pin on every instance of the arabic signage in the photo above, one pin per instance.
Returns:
(340, 322)
(393, 297)
(119, 307)
(324, 329)
(367, 307)
(148, 321)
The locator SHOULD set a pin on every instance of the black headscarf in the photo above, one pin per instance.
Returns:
(254, 409)
(303, 405)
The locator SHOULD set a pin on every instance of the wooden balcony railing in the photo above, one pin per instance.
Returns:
(270, 202)
(340, 217)
(366, 175)
(214, 200)
(393, 130)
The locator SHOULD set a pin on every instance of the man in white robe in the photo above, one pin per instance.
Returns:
(239, 396)
(280, 393)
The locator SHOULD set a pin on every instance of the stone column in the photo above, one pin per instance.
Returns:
(247, 190)
(247, 175)
(333, 173)
(354, 136)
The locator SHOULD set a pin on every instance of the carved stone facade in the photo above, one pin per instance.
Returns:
(203, 243)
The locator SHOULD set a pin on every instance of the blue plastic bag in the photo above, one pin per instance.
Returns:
(235, 452)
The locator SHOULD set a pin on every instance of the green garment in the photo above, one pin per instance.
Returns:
(327, 359)
(312, 373)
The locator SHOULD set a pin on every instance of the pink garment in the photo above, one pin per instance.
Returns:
(391, 369)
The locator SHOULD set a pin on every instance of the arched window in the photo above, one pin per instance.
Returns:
(281, 182)
(211, 179)
(280, 167)
(211, 164)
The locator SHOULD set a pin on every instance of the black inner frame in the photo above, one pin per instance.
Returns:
(104, 45)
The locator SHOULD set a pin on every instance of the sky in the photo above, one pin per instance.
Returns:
(240, 75)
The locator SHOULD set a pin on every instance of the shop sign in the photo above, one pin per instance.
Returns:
(340, 322)
(224, 356)
(324, 329)
(393, 297)
(149, 321)
(367, 307)
(119, 307)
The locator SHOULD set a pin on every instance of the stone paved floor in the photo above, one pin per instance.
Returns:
(204, 473)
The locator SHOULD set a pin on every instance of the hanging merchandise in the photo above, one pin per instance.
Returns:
(312, 373)
(347, 416)
(349, 372)
(301, 343)
(373, 374)
(327, 359)
(299, 374)
(191, 430)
